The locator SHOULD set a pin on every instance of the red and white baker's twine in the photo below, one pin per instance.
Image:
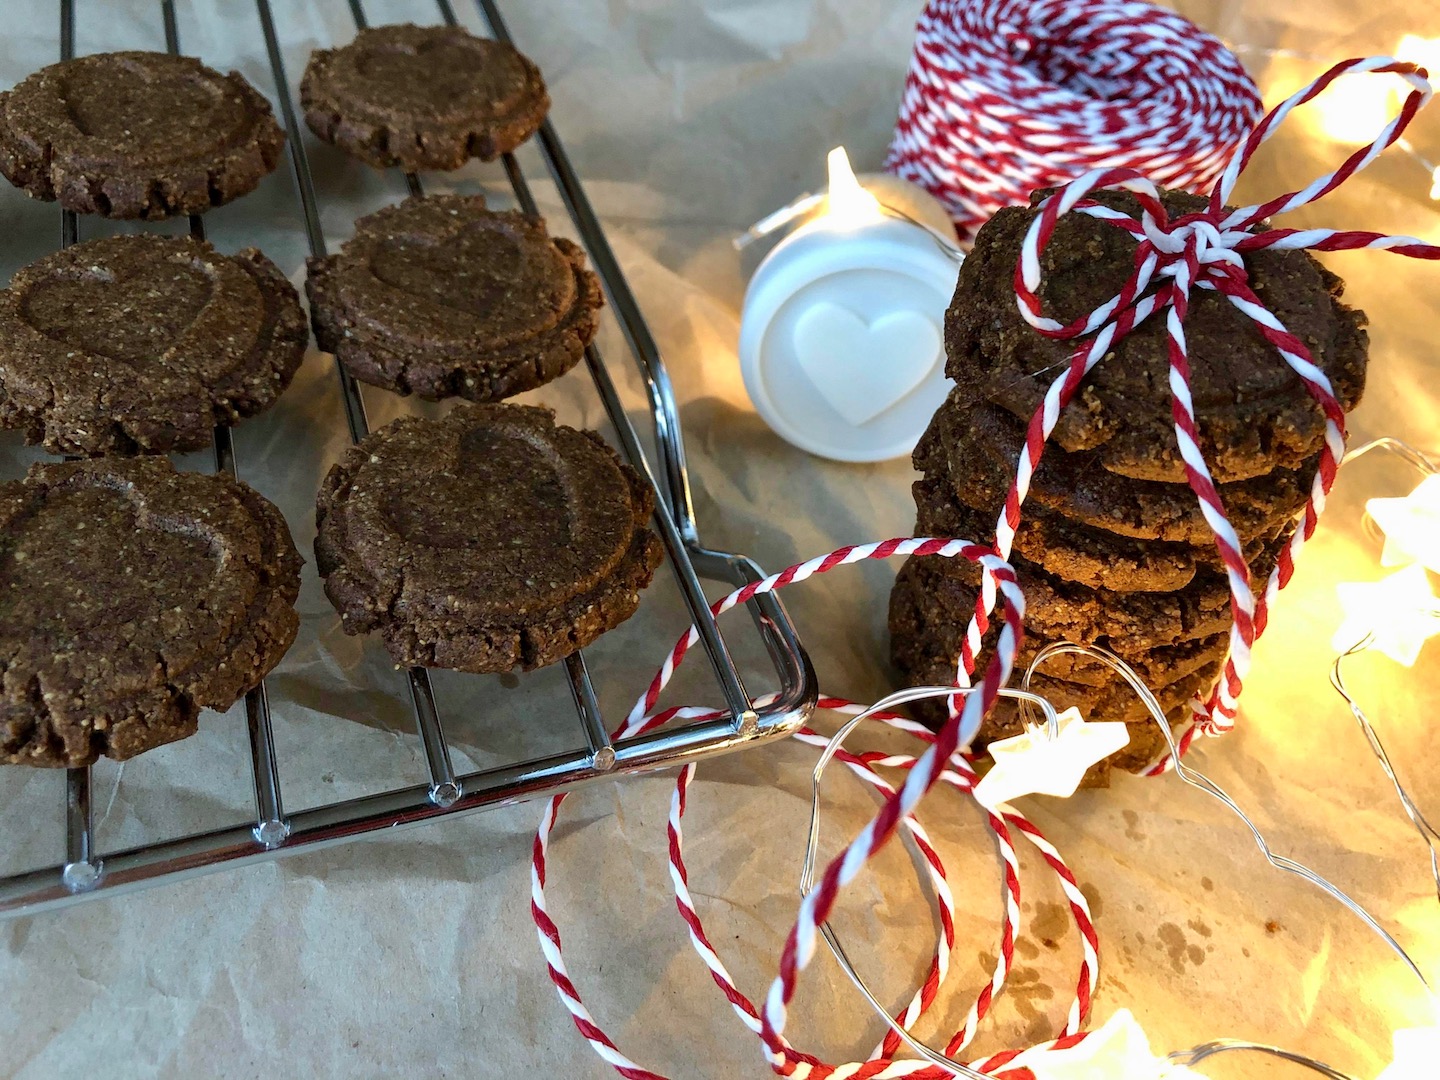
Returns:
(1200, 250)
(1007, 96)
(939, 762)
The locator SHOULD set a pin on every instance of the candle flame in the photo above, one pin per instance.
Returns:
(848, 203)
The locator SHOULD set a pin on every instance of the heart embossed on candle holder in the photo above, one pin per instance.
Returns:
(864, 369)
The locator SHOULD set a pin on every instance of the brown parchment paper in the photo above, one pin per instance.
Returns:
(413, 954)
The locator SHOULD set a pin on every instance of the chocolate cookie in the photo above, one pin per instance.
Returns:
(925, 638)
(1059, 610)
(439, 296)
(1115, 703)
(491, 539)
(1004, 720)
(926, 624)
(1079, 553)
(1253, 412)
(136, 135)
(131, 595)
(144, 343)
(981, 443)
(423, 97)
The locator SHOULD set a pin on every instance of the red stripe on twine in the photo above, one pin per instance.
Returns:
(1007, 96)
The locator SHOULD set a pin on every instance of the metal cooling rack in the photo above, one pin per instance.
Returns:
(87, 872)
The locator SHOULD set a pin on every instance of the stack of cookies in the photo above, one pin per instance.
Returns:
(1112, 549)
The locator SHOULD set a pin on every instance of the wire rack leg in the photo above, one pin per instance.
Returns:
(445, 789)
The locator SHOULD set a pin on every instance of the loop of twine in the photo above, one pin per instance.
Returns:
(1195, 251)
(1007, 96)
(898, 807)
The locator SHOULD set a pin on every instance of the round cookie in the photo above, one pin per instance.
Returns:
(1253, 412)
(926, 625)
(439, 297)
(1079, 553)
(131, 596)
(144, 343)
(487, 540)
(1059, 610)
(1117, 703)
(136, 135)
(981, 443)
(422, 97)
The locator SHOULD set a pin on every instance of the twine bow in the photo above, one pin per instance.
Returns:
(1203, 250)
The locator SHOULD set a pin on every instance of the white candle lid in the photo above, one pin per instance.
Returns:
(841, 340)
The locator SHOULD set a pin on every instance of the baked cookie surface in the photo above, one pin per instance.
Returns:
(981, 443)
(440, 297)
(137, 135)
(132, 595)
(422, 97)
(1078, 553)
(144, 343)
(490, 539)
(1253, 412)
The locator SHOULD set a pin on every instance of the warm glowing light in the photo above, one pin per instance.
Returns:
(1118, 1050)
(1411, 526)
(847, 203)
(1361, 105)
(1400, 611)
(1416, 1052)
(1036, 763)
(1435, 183)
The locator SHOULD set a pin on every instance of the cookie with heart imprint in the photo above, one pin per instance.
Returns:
(441, 297)
(136, 135)
(144, 343)
(131, 596)
(423, 97)
(490, 539)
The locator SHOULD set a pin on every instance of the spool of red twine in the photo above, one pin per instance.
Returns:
(1006, 96)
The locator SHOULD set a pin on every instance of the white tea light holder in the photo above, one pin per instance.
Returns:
(841, 334)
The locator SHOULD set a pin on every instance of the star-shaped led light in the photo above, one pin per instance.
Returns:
(1411, 525)
(1119, 1050)
(1037, 763)
(1400, 611)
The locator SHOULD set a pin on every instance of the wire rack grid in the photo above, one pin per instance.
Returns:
(86, 872)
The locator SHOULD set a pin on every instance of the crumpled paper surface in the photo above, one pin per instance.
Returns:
(413, 953)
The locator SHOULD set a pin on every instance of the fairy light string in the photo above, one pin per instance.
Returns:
(1176, 256)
